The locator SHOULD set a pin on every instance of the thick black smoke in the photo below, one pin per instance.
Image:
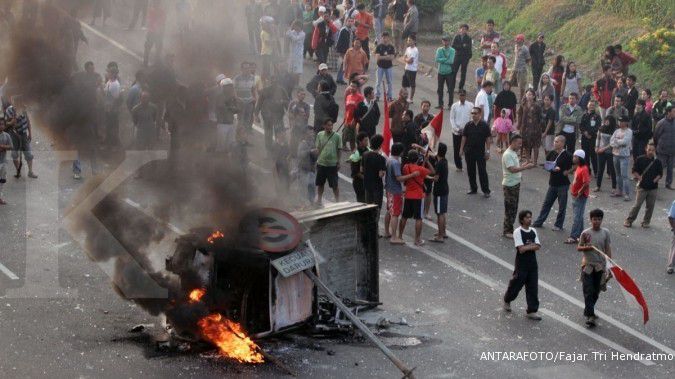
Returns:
(195, 187)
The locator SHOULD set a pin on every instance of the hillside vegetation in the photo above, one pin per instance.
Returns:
(581, 29)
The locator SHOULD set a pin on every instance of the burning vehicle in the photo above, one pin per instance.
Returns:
(231, 286)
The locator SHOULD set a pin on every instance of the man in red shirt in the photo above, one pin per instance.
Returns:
(580, 191)
(353, 97)
(364, 23)
(413, 205)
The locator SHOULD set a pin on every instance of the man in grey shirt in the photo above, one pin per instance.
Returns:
(5, 146)
(595, 244)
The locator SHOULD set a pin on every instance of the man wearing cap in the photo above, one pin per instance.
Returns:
(322, 75)
(579, 191)
(522, 59)
(537, 51)
(324, 29)
(445, 57)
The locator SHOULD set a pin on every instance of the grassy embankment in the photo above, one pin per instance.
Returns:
(580, 30)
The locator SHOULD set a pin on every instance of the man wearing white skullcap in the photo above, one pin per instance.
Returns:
(580, 191)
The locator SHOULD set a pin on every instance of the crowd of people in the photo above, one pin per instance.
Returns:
(584, 128)
(587, 129)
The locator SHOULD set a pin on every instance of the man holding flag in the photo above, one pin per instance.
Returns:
(595, 244)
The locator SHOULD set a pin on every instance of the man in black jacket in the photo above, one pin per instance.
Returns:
(343, 43)
(368, 113)
(641, 124)
(537, 51)
(322, 75)
(589, 126)
(325, 107)
(476, 140)
(631, 96)
(462, 45)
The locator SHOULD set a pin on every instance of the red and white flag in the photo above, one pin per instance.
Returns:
(437, 123)
(386, 130)
(628, 285)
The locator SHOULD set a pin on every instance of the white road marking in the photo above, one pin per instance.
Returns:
(464, 242)
(111, 41)
(7, 272)
(169, 225)
(496, 286)
(595, 336)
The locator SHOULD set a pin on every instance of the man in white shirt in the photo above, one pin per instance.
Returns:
(460, 114)
(485, 100)
(411, 59)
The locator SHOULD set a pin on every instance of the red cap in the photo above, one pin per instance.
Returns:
(520, 37)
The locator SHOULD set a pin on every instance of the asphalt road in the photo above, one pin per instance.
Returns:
(72, 324)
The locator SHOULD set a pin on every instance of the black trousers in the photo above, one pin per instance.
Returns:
(570, 141)
(443, 81)
(536, 74)
(359, 190)
(591, 287)
(588, 146)
(456, 144)
(460, 64)
(473, 161)
(527, 276)
(605, 160)
(322, 53)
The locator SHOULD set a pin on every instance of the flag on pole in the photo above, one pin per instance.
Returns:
(386, 130)
(437, 123)
(630, 286)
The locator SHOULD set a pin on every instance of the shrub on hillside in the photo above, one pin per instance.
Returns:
(656, 49)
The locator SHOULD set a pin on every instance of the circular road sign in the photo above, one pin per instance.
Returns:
(279, 231)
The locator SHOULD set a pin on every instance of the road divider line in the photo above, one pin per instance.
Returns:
(169, 225)
(111, 41)
(7, 272)
(497, 286)
(461, 240)
(595, 336)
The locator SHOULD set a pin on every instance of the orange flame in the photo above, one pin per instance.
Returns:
(196, 295)
(230, 339)
(217, 234)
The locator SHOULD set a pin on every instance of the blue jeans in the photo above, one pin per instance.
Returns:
(578, 208)
(622, 178)
(387, 73)
(553, 193)
(340, 77)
